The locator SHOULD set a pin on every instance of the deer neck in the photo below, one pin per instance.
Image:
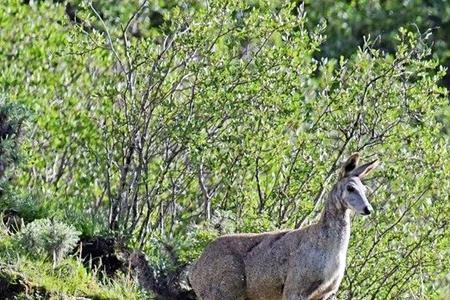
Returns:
(335, 221)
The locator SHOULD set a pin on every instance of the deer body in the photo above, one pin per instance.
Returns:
(307, 263)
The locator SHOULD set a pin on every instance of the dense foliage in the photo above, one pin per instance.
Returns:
(167, 126)
(47, 238)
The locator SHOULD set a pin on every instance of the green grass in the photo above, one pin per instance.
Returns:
(68, 278)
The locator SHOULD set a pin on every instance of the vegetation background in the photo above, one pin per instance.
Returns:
(156, 126)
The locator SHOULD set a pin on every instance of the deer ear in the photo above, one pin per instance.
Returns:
(365, 169)
(350, 164)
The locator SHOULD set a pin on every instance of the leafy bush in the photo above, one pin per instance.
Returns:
(231, 108)
(48, 239)
(11, 119)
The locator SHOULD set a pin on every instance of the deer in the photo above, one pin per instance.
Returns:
(302, 264)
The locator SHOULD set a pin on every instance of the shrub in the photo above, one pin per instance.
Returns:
(11, 118)
(48, 239)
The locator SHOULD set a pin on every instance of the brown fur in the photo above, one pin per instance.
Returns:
(307, 263)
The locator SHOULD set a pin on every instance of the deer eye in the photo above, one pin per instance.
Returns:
(350, 189)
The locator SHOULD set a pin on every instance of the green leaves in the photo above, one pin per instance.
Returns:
(229, 116)
(48, 239)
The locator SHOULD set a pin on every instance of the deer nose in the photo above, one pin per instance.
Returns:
(367, 211)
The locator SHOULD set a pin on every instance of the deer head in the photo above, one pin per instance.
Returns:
(350, 189)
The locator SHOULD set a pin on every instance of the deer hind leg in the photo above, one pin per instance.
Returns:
(228, 281)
